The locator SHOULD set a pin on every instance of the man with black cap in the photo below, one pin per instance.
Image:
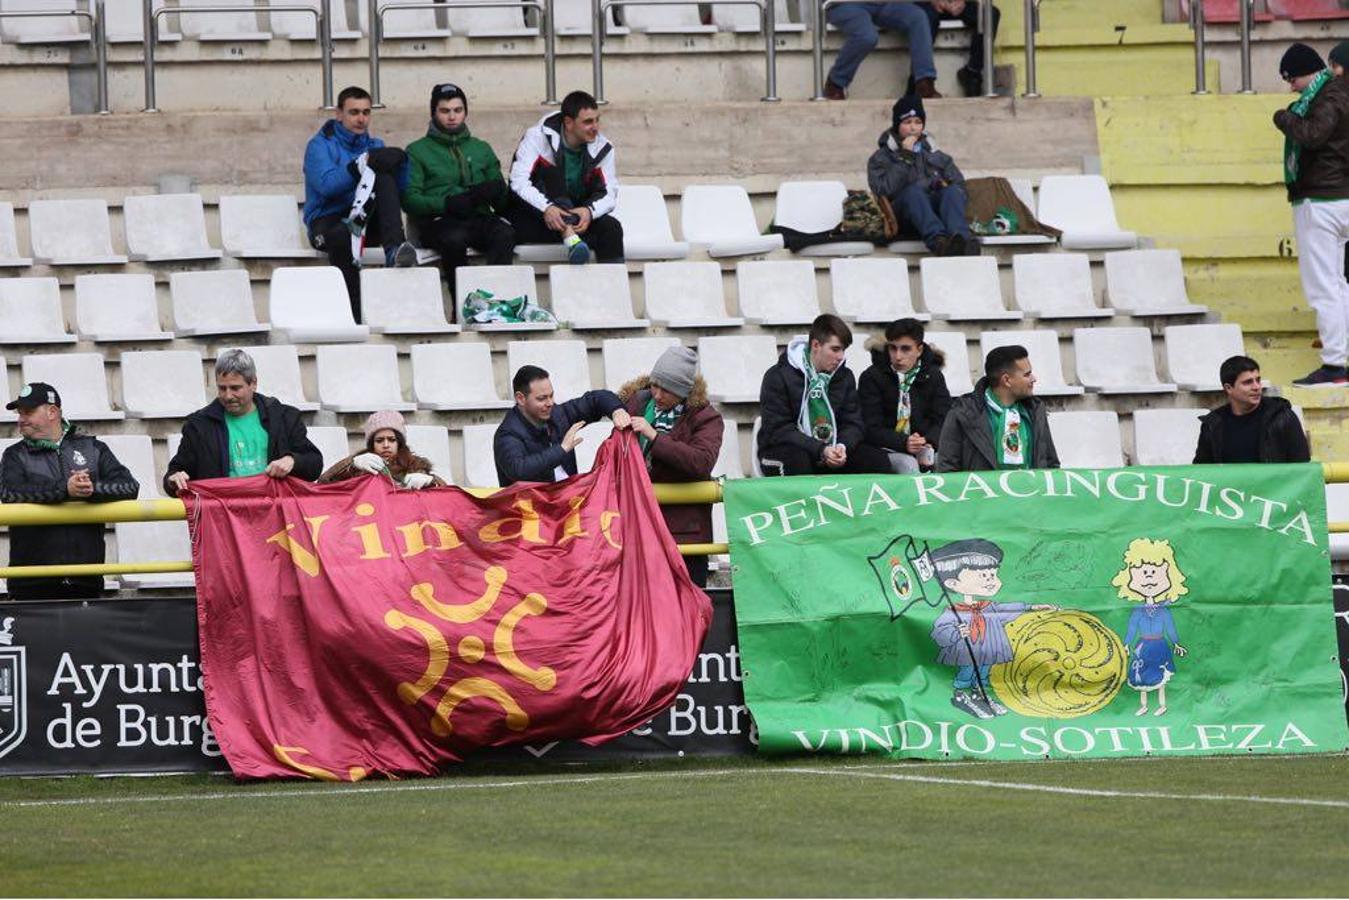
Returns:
(54, 462)
(922, 183)
(455, 194)
(1316, 171)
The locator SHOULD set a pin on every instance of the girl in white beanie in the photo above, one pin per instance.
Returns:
(386, 452)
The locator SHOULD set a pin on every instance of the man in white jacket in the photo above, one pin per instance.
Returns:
(565, 184)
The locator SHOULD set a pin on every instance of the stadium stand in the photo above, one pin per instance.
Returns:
(964, 289)
(1166, 437)
(166, 228)
(646, 224)
(479, 463)
(162, 384)
(433, 442)
(265, 226)
(309, 305)
(72, 233)
(404, 301)
(1090, 439)
(564, 361)
(278, 368)
(454, 377)
(1194, 353)
(9, 240)
(82, 379)
(719, 219)
(686, 295)
(361, 379)
(111, 308)
(232, 27)
(1080, 207)
(813, 207)
(593, 297)
(30, 311)
(1056, 286)
(1148, 283)
(777, 292)
(626, 358)
(872, 289)
(1045, 358)
(207, 303)
(733, 365)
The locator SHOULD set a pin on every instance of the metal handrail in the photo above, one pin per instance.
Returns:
(1031, 15)
(767, 20)
(322, 26)
(1246, 17)
(98, 40)
(544, 8)
(1197, 25)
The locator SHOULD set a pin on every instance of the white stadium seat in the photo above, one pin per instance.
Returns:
(404, 301)
(592, 436)
(857, 357)
(300, 26)
(360, 378)
(211, 302)
(162, 384)
(71, 233)
(575, 17)
(9, 240)
(564, 361)
(964, 288)
(729, 463)
(479, 459)
(873, 289)
(403, 24)
(734, 365)
(686, 295)
(666, 18)
(1025, 192)
(812, 207)
(278, 368)
(141, 542)
(646, 224)
(43, 29)
(627, 358)
(1117, 361)
(1194, 353)
(30, 312)
(593, 297)
(1045, 363)
(125, 23)
(719, 217)
(166, 227)
(263, 226)
(332, 441)
(1148, 283)
(747, 19)
(235, 26)
(80, 379)
(777, 292)
(1056, 286)
(432, 442)
(1166, 437)
(137, 453)
(503, 283)
(1087, 439)
(955, 348)
(117, 307)
(455, 376)
(309, 305)
(488, 22)
(1080, 207)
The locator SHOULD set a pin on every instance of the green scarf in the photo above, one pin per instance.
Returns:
(904, 412)
(1011, 429)
(817, 414)
(43, 444)
(1292, 151)
(661, 420)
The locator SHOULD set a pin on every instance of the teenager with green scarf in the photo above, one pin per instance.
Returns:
(904, 396)
(1316, 172)
(1001, 424)
(680, 433)
(810, 418)
(55, 462)
(455, 193)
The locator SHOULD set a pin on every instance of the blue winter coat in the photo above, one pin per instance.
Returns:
(328, 187)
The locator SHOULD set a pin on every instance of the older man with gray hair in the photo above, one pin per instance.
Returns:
(242, 433)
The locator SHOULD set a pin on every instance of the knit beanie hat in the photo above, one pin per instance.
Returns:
(906, 106)
(674, 371)
(447, 91)
(385, 418)
(1299, 60)
(1341, 54)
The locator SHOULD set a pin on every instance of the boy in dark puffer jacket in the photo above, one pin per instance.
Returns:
(904, 396)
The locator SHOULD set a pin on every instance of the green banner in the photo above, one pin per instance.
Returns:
(1054, 613)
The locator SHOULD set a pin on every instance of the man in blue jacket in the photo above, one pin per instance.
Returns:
(341, 162)
(537, 439)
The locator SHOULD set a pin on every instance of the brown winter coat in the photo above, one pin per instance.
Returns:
(343, 469)
(1323, 169)
(687, 453)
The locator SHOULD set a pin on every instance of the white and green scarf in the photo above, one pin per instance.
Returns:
(1292, 150)
(661, 420)
(817, 413)
(1011, 435)
(904, 411)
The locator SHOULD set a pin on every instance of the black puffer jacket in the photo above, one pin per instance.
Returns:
(780, 405)
(204, 452)
(1323, 168)
(30, 474)
(1282, 439)
(929, 399)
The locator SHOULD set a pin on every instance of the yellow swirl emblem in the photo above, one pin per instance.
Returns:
(1064, 664)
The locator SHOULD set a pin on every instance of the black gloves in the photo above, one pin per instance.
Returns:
(464, 204)
(386, 160)
(459, 205)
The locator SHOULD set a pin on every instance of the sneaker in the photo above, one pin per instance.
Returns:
(967, 702)
(578, 254)
(955, 245)
(1326, 376)
(404, 256)
(971, 81)
(834, 92)
(995, 707)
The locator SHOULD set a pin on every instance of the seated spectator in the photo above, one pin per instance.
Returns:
(565, 184)
(680, 433)
(1250, 427)
(386, 453)
(52, 463)
(537, 440)
(1001, 424)
(904, 397)
(922, 183)
(810, 421)
(242, 433)
(455, 191)
(342, 163)
(971, 75)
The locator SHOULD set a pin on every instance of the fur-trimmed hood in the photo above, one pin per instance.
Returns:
(696, 399)
(932, 357)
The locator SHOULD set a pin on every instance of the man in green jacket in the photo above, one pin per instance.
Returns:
(455, 191)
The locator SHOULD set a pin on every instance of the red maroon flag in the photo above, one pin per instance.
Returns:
(355, 628)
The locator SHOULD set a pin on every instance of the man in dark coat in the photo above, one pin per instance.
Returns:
(537, 439)
(904, 397)
(1000, 424)
(1250, 427)
(242, 433)
(811, 422)
(55, 462)
(680, 433)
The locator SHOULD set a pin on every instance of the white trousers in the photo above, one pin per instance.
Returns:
(1322, 229)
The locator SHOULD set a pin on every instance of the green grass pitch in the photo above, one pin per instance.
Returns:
(799, 826)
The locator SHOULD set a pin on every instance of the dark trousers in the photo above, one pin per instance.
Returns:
(970, 16)
(384, 228)
(604, 237)
(788, 459)
(697, 566)
(451, 238)
(932, 213)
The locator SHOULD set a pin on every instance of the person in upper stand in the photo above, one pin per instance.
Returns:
(341, 162)
(565, 184)
(386, 453)
(1250, 427)
(810, 421)
(922, 183)
(1001, 424)
(1339, 63)
(455, 193)
(971, 75)
(904, 397)
(537, 439)
(680, 433)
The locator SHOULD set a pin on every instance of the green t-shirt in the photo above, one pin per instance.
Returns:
(573, 166)
(248, 444)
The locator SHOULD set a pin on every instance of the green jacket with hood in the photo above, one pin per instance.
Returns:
(444, 165)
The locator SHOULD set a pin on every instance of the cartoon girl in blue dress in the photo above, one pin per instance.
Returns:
(1151, 575)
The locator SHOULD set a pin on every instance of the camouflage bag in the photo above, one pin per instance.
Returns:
(866, 218)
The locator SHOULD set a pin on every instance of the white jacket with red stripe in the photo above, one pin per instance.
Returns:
(537, 178)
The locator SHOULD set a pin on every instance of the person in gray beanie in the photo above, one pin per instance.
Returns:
(680, 433)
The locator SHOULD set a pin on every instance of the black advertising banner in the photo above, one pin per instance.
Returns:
(1342, 632)
(114, 686)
